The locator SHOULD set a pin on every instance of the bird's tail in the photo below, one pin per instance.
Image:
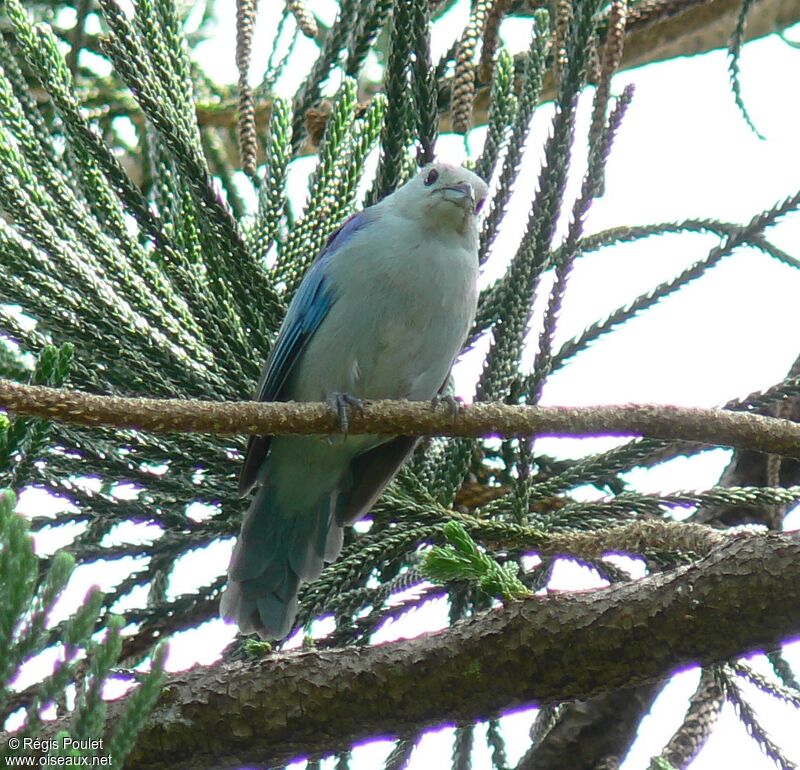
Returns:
(280, 545)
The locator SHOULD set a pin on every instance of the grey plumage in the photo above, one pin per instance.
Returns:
(382, 313)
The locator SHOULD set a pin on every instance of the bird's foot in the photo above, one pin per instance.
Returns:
(454, 404)
(341, 403)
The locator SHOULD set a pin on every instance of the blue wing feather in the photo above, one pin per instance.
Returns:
(308, 308)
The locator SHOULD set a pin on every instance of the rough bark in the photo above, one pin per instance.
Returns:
(606, 726)
(719, 427)
(592, 733)
(743, 596)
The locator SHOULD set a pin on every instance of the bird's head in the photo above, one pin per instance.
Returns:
(443, 196)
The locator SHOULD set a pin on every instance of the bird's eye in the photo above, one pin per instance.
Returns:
(433, 175)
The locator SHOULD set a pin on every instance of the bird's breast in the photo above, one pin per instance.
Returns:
(399, 320)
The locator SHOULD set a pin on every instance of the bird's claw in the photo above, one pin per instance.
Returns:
(455, 405)
(341, 403)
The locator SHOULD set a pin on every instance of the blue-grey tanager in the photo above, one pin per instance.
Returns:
(382, 313)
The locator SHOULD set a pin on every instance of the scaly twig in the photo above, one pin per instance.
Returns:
(245, 23)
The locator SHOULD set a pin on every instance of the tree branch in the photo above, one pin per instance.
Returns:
(743, 596)
(658, 30)
(389, 418)
(589, 733)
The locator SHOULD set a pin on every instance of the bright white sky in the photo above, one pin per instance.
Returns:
(683, 151)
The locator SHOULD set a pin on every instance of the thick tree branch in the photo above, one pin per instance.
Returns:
(588, 731)
(743, 596)
(657, 31)
(709, 426)
(687, 27)
(593, 732)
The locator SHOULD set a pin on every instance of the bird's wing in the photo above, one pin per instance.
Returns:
(371, 471)
(308, 308)
(368, 475)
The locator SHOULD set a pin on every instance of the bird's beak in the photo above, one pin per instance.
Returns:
(461, 194)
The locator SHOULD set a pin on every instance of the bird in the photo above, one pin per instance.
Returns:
(381, 313)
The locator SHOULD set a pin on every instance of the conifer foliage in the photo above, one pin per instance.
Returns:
(147, 250)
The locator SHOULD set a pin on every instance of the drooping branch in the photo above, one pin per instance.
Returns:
(389, 418)
(743, 596)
